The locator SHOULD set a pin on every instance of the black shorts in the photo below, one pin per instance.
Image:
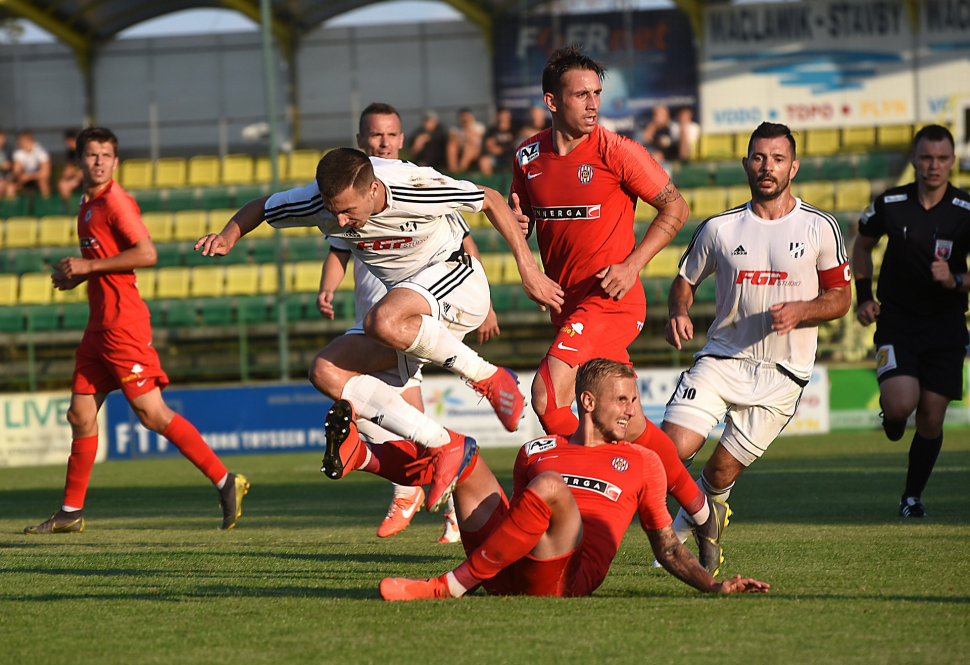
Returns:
(937, 366)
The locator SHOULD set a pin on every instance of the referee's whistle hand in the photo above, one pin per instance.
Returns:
(867, 312)
(942, 274)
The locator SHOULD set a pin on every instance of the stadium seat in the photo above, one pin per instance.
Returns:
(656, 290)
(836, 168)
(217, 311)
(477, 220)
(136, 174)
(216, 197)
(20, 232)
(268, 278)
(246, 193)
(874, 166)
(821, 142)
(79, 294)
(494, 267)
(172, 282)
(180, 199)
(705, 291)
(170, 172)
(218, 218)
(510, 269)
(347, 283)
(242, 279)
(56, 230)
(264, 170)
(190, 225)
(145, 279)
(852, 195)
(28, 260)
(738, 195)
(665, 264)
(35, 288)
(307, 276)
(149, 200)
(52, 205)
(693, 175)
(42, 317)
(717, 146)
(741, 145)
(181, 313)
(75, 316)
(894, 136)
(159, 225)
(252, 309)
(819, 194)
(707, 201)
(728, 174)
(237, 170)
(169, 255)
(303, 165)
(644, 213)
(204, 171)
(858, 138)
(503, 297)
(264, 249)
(488, 240)
(208, 281)
(8, 289)
(303, 249)
(11, 319)
(15, 207)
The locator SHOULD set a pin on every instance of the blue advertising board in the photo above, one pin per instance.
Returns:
(232, 420)
(649, 55)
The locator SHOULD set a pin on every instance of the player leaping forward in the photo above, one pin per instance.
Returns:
(572, 502)
(780, 269)
(579, 183)
(395, 217)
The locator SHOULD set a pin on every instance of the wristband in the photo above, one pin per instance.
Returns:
(863, 290)
(958, 278)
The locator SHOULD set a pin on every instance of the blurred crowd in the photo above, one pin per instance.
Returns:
(25, 167)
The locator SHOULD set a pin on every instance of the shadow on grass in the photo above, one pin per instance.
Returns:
(202, 593)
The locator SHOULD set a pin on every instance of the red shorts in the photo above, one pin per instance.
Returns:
(597, 328)
(118, 358)
(527, 576)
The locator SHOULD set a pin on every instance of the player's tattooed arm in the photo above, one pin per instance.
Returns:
(678, 560)
(672, 211)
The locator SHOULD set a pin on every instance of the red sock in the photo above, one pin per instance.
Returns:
(679, 483)
(187, 439)
(513, 538)
(83, 452)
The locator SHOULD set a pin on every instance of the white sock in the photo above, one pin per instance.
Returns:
(378, 402)
(701, 515)
(404, 491)
(454, 586)
(70, 509)
(222, 483)
(450, 506)
(713, 492)
(682, 525)
(436, 343)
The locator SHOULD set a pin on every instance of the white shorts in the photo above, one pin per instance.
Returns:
(456, 291)
(759, 401)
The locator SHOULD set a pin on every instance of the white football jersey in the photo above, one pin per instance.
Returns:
(367, 288)
(415, 230)
(758, 263)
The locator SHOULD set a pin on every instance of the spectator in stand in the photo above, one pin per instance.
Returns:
(465, 142)
(71, 175)
(657, 134)
(538, 120)
(6, 169)
(684, 135)
(500, 143)
(429, 143)
(31, 165)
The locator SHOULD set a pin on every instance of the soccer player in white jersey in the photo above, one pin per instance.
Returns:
(395, 217)
(780, 269)
(381, 135)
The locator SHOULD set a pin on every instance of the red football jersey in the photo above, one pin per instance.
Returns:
(583, 204)
(106, 225)
(611, 483)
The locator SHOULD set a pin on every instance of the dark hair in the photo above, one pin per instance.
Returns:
(377, 108)
(590, 374)
(772, 130)
(71, 133)
(342, 168)
(96, 134)
(933, 133)
(561, 61)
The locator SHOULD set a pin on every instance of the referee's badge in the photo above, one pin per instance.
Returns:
(585, 174)
(943, 250)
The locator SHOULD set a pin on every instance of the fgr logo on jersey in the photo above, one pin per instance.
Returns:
(568, 212)
(585, 173)
(388, 243)
(609, 490)
(761, 277)
(943, 250)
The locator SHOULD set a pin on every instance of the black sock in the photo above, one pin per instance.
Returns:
(922, 457)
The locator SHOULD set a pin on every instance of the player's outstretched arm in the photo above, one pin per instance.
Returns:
(679, 300)
(522, 216)
(867, 310)
(334, 269)
(245, 220)
(140, 255)
(680, 563)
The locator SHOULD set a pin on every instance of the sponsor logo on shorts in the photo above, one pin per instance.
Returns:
(796, 249)
(565, 348)
(388, 243)
(527, 153)
(885, 359)
(89, 243)
(568, 212)
(943, 250)
(609, 490)
(136, 371)
(765, 278)
(585, 173)
(539, 446)
(620, 464)
(573, 329)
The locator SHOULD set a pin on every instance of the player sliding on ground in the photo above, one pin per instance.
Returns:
(573, 500)
(395, 217)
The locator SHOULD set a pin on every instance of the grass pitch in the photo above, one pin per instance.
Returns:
(153, 580)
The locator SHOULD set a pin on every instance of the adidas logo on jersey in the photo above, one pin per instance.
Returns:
(739, 251)
(350, 233)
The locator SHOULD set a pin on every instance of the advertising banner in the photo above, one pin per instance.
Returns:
(944, 64)
(35, 431)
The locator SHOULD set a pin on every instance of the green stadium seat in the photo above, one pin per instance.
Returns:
(503, 297)
(170, 172)
(264, 250)
(303, 249)
(217, 311)
(252, 309)
(693, 175)
(656, 290)
(216, 197)
(75, 316)
(873, 166)
(136, 174)
(52, 205)
(6, 261)
(204, 171)
(29, 260)
(181, 199)
(42, 317)
(727, 174)
(836, 168)
(156, 308)
(149, 200)
(55, 254)
(246, 193)
(295, 307)
(488, 240)
(11, 319)
(169, 255)
(181, 313)
(192, 258)
(15, 207)
(705, 291)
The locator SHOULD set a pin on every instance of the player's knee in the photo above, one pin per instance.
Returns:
(81, 420)
(539, 401)
(549, 486)
(930, 425)
(323, 377)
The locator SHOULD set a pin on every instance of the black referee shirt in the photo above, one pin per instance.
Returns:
(916, 237)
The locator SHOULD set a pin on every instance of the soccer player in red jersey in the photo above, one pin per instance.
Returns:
(578, 183)
(116, 350)
(573, 500)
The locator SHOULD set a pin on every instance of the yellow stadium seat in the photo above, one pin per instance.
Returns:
(145, 279)
(204, 171)
(237, 170)
(852, 194)
(303, 165)
(307, 276)
(817, 193)
(208, 281)
(57, 230)
(264, 172)
(268, 278)
(264, 230)
(858, 138)
(707, 201)
(218, 218)
(170, 172)
(644, 212)
(476, 220)
(821, 141)
(20, 232)
(159, 225)
(741, 145)
(78, 294)
(136, 174)
(172, 282)
(190, 225)
(738, 195)
(299, 231)
(665, 264)
(36, 288)
(242, 279)
(510, 270)
(494, 266)
(717, 146)
(799, 136)
(894, 135)
(347, 283)
(8, 289)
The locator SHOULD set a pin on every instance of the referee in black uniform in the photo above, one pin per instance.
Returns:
(921, 326)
